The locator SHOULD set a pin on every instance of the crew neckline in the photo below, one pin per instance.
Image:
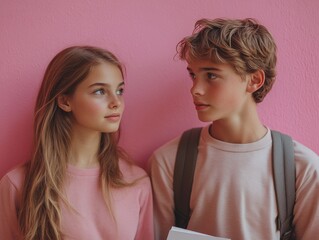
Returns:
(94, 171)
(265, 141)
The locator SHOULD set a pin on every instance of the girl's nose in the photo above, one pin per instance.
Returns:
(115, 102)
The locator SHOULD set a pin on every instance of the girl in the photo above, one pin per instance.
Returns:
(79, 183)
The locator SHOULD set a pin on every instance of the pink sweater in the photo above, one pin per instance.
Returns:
(132, 206)
(233, 192)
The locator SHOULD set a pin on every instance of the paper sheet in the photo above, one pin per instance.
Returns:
(183, 234)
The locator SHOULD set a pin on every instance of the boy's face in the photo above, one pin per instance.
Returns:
(219, 93)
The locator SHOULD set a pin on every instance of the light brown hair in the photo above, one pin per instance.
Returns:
(39, 213)
(244, 44)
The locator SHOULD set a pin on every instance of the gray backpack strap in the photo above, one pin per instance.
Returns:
(183, 175)
(284, 178)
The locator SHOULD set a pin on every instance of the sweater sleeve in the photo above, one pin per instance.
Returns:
(162, 183)
(145, 225)
(8, 210)
(306, 210)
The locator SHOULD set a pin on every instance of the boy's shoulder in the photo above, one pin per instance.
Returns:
(164, 156)
(170, 147)
(305, 156)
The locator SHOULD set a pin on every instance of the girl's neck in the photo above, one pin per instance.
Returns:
(84, 150)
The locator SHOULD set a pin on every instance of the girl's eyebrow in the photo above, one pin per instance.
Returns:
(105, 84)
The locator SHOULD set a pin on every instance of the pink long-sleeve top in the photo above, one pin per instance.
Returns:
(89, 218)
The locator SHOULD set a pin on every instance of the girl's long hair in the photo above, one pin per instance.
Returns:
(39, 213)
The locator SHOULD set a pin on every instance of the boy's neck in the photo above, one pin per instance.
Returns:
(241, 135)
(245, 128)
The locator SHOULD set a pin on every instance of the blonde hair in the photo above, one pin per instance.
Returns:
(244, 44)
(39, 213)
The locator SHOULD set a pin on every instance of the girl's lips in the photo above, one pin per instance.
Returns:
(113, 117)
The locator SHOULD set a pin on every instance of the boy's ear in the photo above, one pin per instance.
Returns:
(63, 103)
(256, 81)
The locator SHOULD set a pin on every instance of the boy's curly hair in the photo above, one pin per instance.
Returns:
(244, 44)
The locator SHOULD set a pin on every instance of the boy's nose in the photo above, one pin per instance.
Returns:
(197, 89)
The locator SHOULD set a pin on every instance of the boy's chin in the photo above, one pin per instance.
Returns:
(204, 118)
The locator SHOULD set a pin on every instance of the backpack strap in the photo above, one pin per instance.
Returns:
(284, 178)
(184, 174)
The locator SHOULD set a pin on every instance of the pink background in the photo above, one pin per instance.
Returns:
(144, 33)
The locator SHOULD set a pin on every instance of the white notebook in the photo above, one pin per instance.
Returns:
(183, 234)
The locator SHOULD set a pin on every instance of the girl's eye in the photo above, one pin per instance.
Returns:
(120, 91)
(99, 92)
(211, 76)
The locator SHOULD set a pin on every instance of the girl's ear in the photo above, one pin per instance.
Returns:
(63, 103)
(256, 81)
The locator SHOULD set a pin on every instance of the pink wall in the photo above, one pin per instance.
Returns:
(144, 33)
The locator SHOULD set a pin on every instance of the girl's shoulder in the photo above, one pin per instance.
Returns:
(131, 171)
(15, 177)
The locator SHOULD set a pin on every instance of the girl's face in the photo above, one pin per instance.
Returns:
(97, 103)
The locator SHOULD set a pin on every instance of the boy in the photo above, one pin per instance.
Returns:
(232, 66)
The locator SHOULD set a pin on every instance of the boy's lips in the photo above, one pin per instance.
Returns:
(200, 105)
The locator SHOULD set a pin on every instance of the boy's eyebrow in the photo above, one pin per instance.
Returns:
(105, 84)
(205, 69)
(209, 69)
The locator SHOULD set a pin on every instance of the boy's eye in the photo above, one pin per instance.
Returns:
(192, 75)
(99, 92)
(120, 91)
(211, 76)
